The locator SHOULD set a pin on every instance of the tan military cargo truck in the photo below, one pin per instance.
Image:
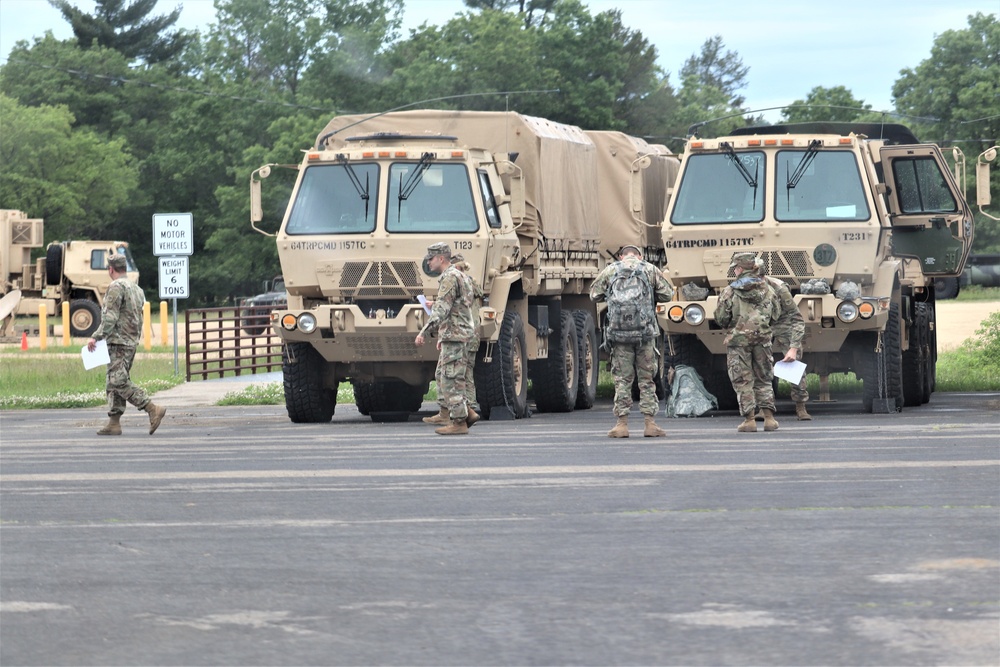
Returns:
(71, 271)
(858, 219)
(536, 207)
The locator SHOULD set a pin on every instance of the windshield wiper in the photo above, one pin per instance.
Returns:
(750, 179)
(807, 159)
(415, 177)
(362, 191)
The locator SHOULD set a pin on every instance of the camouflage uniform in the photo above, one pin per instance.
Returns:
(473, 348)
(748, 307)
(631, 360)
(788, 332)
(452, 318)
(121, 326)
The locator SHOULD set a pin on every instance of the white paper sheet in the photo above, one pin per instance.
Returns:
(99, 357)
(423, 302)
(789, 370)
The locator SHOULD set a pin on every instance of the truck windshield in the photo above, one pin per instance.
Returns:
(818, 186)
(726, 188)
(334, 199)
(429, 198)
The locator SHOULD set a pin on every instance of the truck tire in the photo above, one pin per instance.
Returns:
(387, 400)
(590, 359)
(915, 367)
(689, 351)
(53, 264)
(555, 381)
(503, 383)
(306, 399)
(882, 374)
(254, 322)
(84, 318)
(946, 288)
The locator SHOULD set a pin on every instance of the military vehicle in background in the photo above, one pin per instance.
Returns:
(536, 207)
(74, 272)
(858, 219)
(983, 270)
(255, 311)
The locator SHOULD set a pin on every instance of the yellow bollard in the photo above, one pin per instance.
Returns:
(147, 327)
(43, 327)
(65, 323)
(163, 323)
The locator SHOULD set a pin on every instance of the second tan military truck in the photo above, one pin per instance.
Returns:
(74, 272)
(536, 207)
(858, 219)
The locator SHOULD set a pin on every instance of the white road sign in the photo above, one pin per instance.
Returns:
(173, 234)
(174, 278)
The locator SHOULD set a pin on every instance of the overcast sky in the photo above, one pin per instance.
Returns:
(790, 46)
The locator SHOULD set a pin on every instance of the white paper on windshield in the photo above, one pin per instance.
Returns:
(789, 370)
(99, 357)
(423, 302)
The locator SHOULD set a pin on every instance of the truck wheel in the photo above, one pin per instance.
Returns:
(53, 264)
(306, 399)
(84, 318)
(555, 380)
(387, 400)
(882, 375)
(914, 360)
(946, 288)
(503, 382)
(689, 351)
(590, 359)
(254, 322)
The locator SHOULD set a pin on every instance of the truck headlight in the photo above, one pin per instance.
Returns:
(847, 311)
(694, 315)
(307, 323)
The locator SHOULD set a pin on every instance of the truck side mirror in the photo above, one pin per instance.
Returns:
(983, 194)
(256, 209)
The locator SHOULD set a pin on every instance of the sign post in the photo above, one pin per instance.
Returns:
(173, 243)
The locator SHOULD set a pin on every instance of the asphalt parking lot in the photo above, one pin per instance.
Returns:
(233, 536)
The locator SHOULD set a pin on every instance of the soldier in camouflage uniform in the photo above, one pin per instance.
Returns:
(443, 415)
(121, 325)
(452, 318)
(786, 344)
(631, 360)
(748, 307)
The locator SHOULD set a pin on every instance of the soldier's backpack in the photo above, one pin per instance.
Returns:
(688, 396)
(631, 307)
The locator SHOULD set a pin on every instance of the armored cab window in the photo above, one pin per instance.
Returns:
(489, 203)
(922, 187)
(430, 197)
(721, 188)
(818, 186)
(335, 199)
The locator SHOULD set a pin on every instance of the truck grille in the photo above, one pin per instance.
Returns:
(398, 346)
(386, 279)
(789, 265)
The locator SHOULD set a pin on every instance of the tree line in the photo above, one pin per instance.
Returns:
(132, 117)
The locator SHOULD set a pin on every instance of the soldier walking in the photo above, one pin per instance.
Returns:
(452, 318)
(748, 307)
(121, 325)
(786, 344)
(633, 335)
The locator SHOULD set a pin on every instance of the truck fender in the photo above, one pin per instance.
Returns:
(499, 297)
(887, 279)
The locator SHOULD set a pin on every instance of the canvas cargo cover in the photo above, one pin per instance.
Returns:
(622, 216)
(558, 162)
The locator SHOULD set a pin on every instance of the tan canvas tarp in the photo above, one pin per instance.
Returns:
(622, 214)
(558, 162)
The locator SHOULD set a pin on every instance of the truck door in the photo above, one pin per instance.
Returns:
(930, 218)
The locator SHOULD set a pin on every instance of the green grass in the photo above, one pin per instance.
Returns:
(978, 293)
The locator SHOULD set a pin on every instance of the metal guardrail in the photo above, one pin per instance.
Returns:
(222, 342)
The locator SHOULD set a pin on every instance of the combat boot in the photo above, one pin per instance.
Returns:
(620, 430)
(472, 418)
(748, 425)
(801, 414)
(440, 418)
(652, 430)
(770, 424)
(155, 413)
(456, 427)
(113, 427)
